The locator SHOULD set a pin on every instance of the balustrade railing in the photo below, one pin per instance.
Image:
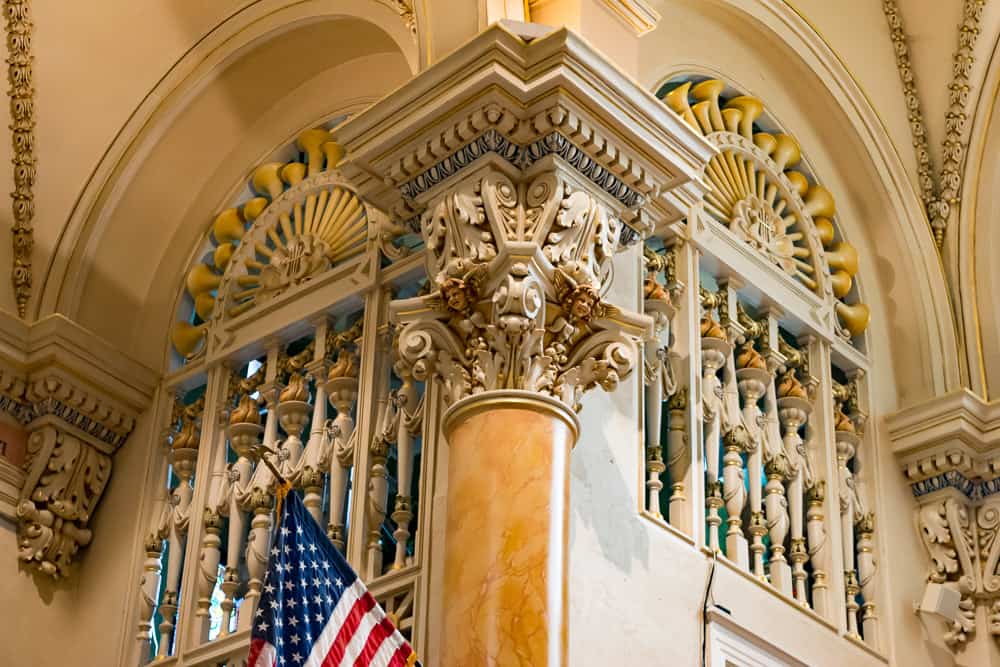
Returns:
(293, 413)
(775, 432)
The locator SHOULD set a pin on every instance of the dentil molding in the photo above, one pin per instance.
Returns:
(78, 399)
(949, 450)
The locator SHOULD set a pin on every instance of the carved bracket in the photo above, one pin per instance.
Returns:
(74, 427)
(949, 450)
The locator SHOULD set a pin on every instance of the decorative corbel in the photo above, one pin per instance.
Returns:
(946, 449)
(77, 400)
(73, 432)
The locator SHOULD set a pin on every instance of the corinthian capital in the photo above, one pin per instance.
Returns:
(527, 165)
(518, 269)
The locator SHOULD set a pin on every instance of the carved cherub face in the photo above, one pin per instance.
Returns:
(583, 302)
(455, 294)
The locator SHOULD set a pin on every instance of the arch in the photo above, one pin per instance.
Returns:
(249, 87)
(975, 271)
(232, 40)
(761, 187)
(772, 53)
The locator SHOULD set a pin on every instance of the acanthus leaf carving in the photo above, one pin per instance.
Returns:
(516, 303)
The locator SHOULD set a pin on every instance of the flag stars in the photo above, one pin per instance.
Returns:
(286, 532)
(289, 585)
(269, 588)
(294, 639)
(296, 657)
(263, 626)
(274, 604)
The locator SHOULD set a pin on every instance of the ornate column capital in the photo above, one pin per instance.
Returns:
(949, 450)
(525, 165)
(77, 399)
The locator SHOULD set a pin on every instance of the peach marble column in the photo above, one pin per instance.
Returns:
(505, 560)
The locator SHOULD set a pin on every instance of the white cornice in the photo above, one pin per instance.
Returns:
(954, 433)
(958, 418)
(55, 362)
(525, 91)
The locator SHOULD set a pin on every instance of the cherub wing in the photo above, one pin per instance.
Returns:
(562, 283)
(476, 276)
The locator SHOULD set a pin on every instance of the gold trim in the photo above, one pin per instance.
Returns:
(940, 195)
(510, 399)
(22, 114)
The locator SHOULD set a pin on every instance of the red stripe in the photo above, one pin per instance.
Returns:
(375, 639)
(400, 656)
(256, 647)
(362, 606)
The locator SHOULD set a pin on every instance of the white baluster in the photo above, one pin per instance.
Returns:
(342, 393)
(293, 413)
(149, 591)
(777, 524)
(260, 499)
(793, 412)
(865, 526)
(817, 543)
(714, 352)
(378, 498)
(660, 385)
(678, 457)
(208, 561)
(776, 464)
(752, 385)
(410, 411)
(846, 446)
(237, 480)
(183, 462)
(713, 357)
(316, 457)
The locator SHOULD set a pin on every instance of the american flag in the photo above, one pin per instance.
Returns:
(314, 610)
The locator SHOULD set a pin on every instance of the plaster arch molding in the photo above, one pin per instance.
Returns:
(243, 90)
(973, 263)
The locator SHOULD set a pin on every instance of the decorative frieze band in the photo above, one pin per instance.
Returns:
(940, 194)
(522, 157)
